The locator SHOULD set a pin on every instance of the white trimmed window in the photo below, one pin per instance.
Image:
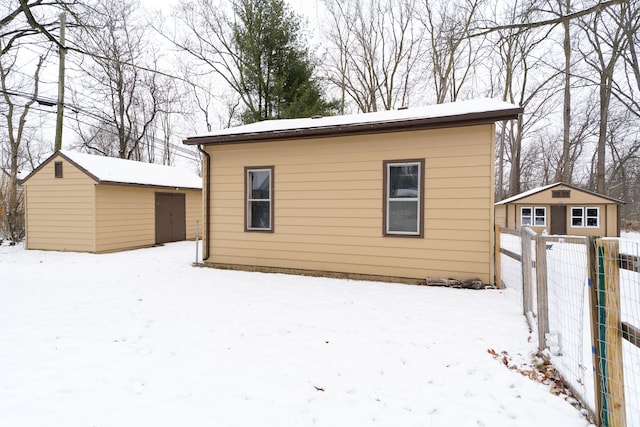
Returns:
(403, 204)
(585, 217)
(533, 216)
(259, 199)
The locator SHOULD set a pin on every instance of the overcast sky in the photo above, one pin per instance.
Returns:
(308, 7)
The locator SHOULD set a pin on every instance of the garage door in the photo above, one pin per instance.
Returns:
(170, 217)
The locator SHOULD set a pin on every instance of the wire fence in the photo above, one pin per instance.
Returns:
(568, 338)
(618, 346)
(582, 296)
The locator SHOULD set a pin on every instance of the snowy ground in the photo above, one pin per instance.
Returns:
(141, 338)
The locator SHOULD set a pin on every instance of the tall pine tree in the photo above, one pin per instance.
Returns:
(277, 72)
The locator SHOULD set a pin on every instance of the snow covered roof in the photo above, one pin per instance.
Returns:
(546, 187)
(110, 170)
(441, 115)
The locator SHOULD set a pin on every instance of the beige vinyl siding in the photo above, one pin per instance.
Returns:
(607, 228)
(193, 206)
(328, 200)
(600, 231)
(500, 212)
(60, 211)
(513, 220)
(125, 217)
(612, 226)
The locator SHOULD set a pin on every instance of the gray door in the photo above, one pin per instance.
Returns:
(558, 219)
(170, 217)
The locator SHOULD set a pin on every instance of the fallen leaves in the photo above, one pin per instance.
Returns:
(543, 372)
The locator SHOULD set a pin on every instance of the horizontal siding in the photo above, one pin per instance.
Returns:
(588, 231)
(193, 202)
(356, 265)
(608, 219)
(125, 216)
(328, 205)
(501, 215)
(366, 244)
(60, 211)
(612, 221)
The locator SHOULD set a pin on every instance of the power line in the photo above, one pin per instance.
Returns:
(179, 150)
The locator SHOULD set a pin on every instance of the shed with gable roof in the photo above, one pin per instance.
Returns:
(561, 208)
(86, 203)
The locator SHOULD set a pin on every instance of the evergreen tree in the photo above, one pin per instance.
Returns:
(275, 67)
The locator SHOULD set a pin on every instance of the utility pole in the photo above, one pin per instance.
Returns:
(60, 115)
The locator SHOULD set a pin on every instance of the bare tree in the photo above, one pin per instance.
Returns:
(26, 30)
(117, 70)
(454, 54)
(627, 88)
(525, 80)
(606, 41)
(623, 145)
(24, 19)
(374, 52)
(15, 111)
(565, 166)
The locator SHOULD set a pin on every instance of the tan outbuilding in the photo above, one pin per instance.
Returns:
(85, 203)
(562, 209)
(404, 194)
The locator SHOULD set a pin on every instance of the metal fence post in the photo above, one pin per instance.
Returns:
(197, 229)
(498, 258)
(527, 287)
(541, 292)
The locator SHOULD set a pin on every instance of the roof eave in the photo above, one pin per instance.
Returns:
(518, 197)
(159, 186)
(469, 119)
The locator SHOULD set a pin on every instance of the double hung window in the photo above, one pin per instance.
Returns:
(259, 199)
(585, 217)
(403, 197)
(533, 216)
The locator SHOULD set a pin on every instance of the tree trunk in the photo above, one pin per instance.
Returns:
(564, 172)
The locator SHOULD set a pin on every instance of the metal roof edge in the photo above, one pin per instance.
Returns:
(381, 126)
(537, 190)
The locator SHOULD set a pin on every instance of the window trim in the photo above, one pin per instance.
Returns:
(586, 217)
(247, 170)
(533, 216)
(583, 216)
(386, 164)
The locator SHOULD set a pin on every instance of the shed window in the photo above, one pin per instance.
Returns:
(561, 194)
(585, 217)
(533, 216)
(259, 199)
(57, 166)
(403, 197)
